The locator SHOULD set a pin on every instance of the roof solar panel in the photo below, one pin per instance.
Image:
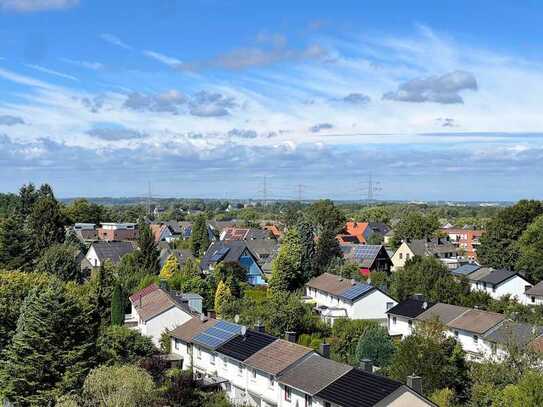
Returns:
(366, 251)
(220, 253)
(356, 291)
(215, 336)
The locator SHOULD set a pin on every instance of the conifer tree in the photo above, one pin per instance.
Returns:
(117, 308)
(199, 238)
(46, 223)
(170, 268)
(148, 255)
(286, 267)
(52, 349)
(13, 243)
(222, 295)
(307, 242)
(327, 250)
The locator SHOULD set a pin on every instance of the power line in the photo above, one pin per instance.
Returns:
(372, 189)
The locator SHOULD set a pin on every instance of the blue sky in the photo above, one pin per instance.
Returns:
(208, 98)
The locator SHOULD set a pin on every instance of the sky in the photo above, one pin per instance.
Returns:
(228, 99)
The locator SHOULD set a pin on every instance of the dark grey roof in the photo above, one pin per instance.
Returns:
(376, 228)
(234, 252)
(263, 249)
(410, 308)
(494, 276)
(313, 374)
(515, 332)
(357, 388)
(424, 247)
(112, 250)
(536, 289)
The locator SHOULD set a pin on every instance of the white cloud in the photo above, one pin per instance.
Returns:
(95, 66)
(173, 62)
(27, 6)
(52, 72)
(114, 40)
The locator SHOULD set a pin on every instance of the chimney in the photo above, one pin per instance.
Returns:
(366, 365)
(260, 328)
(418, 296)
(211, 314)
(290, 336)
(203, 318)
(243, 330)
(325, 350)
(415, 382)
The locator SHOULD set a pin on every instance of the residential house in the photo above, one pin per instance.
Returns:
(274, 230)
(255, 369)
(162, 232)
(233, 251)
(364, 231)
(118, 231)
(467, 239)
(235, 233)
(155, 310)
(510, 333)
(370, 258)
(440, 248)
(265, 250)
(356, 229)
(401, 317)
(337, 297)
(347, 239)
(534, 295)
(496, 283)
(101, 251)
(182, 255)
(86, 233)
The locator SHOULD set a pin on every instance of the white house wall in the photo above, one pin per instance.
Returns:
(515, 287)
(401, 326)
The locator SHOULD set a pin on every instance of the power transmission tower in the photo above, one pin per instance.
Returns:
(264, 190)
(300, 188)
(149, 198)
(372, 190)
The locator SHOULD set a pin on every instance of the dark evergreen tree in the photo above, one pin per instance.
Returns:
(13, 243)
(52, 349)
(117, 308)
(199, 237)
(148, 255)
(327, 249)
(307, 242)
(46, 224)
(61, 260)
(27, 197)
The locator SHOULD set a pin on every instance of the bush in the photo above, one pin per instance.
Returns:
(119, 344)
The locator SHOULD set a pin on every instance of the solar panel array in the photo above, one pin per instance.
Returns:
(220, 253)
(217, 335)
(366, 251)
(356, 291)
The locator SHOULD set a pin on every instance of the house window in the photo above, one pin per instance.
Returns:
(308, 400)
(494, 348)
(410, 323)
(393, 320)
(456, 334)
(271, 381)
(288, 394)
(389, 305)
(176, 343)
(199, 353)
(224, 362)
(253, 373)
(401, 256)
(213, 356)
(533, 299)
(493, 288)
(240, 369)
(475, 339)
(326, 404)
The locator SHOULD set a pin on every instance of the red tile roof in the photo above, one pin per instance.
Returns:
(143, 292)
(357, 229)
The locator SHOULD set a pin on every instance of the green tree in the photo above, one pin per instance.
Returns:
(52, 349)
(148, 256)
(415, 225)
(429, 353)
(83, 211)
(170, 268)
(222, 295)
(14, 288)
(119, 386)
(307, 243)
(287, 271)
(327, 250)
(61, 261)
(429, 277)
(530, 247)
(190, 268)
(46, 223)
(325, 215)
(498, 246)
(27, 197)
(119, 345)
(117, 306)
(375, 344)
(199, 237)
(14, 242)
(345, 338)
(528, 392)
